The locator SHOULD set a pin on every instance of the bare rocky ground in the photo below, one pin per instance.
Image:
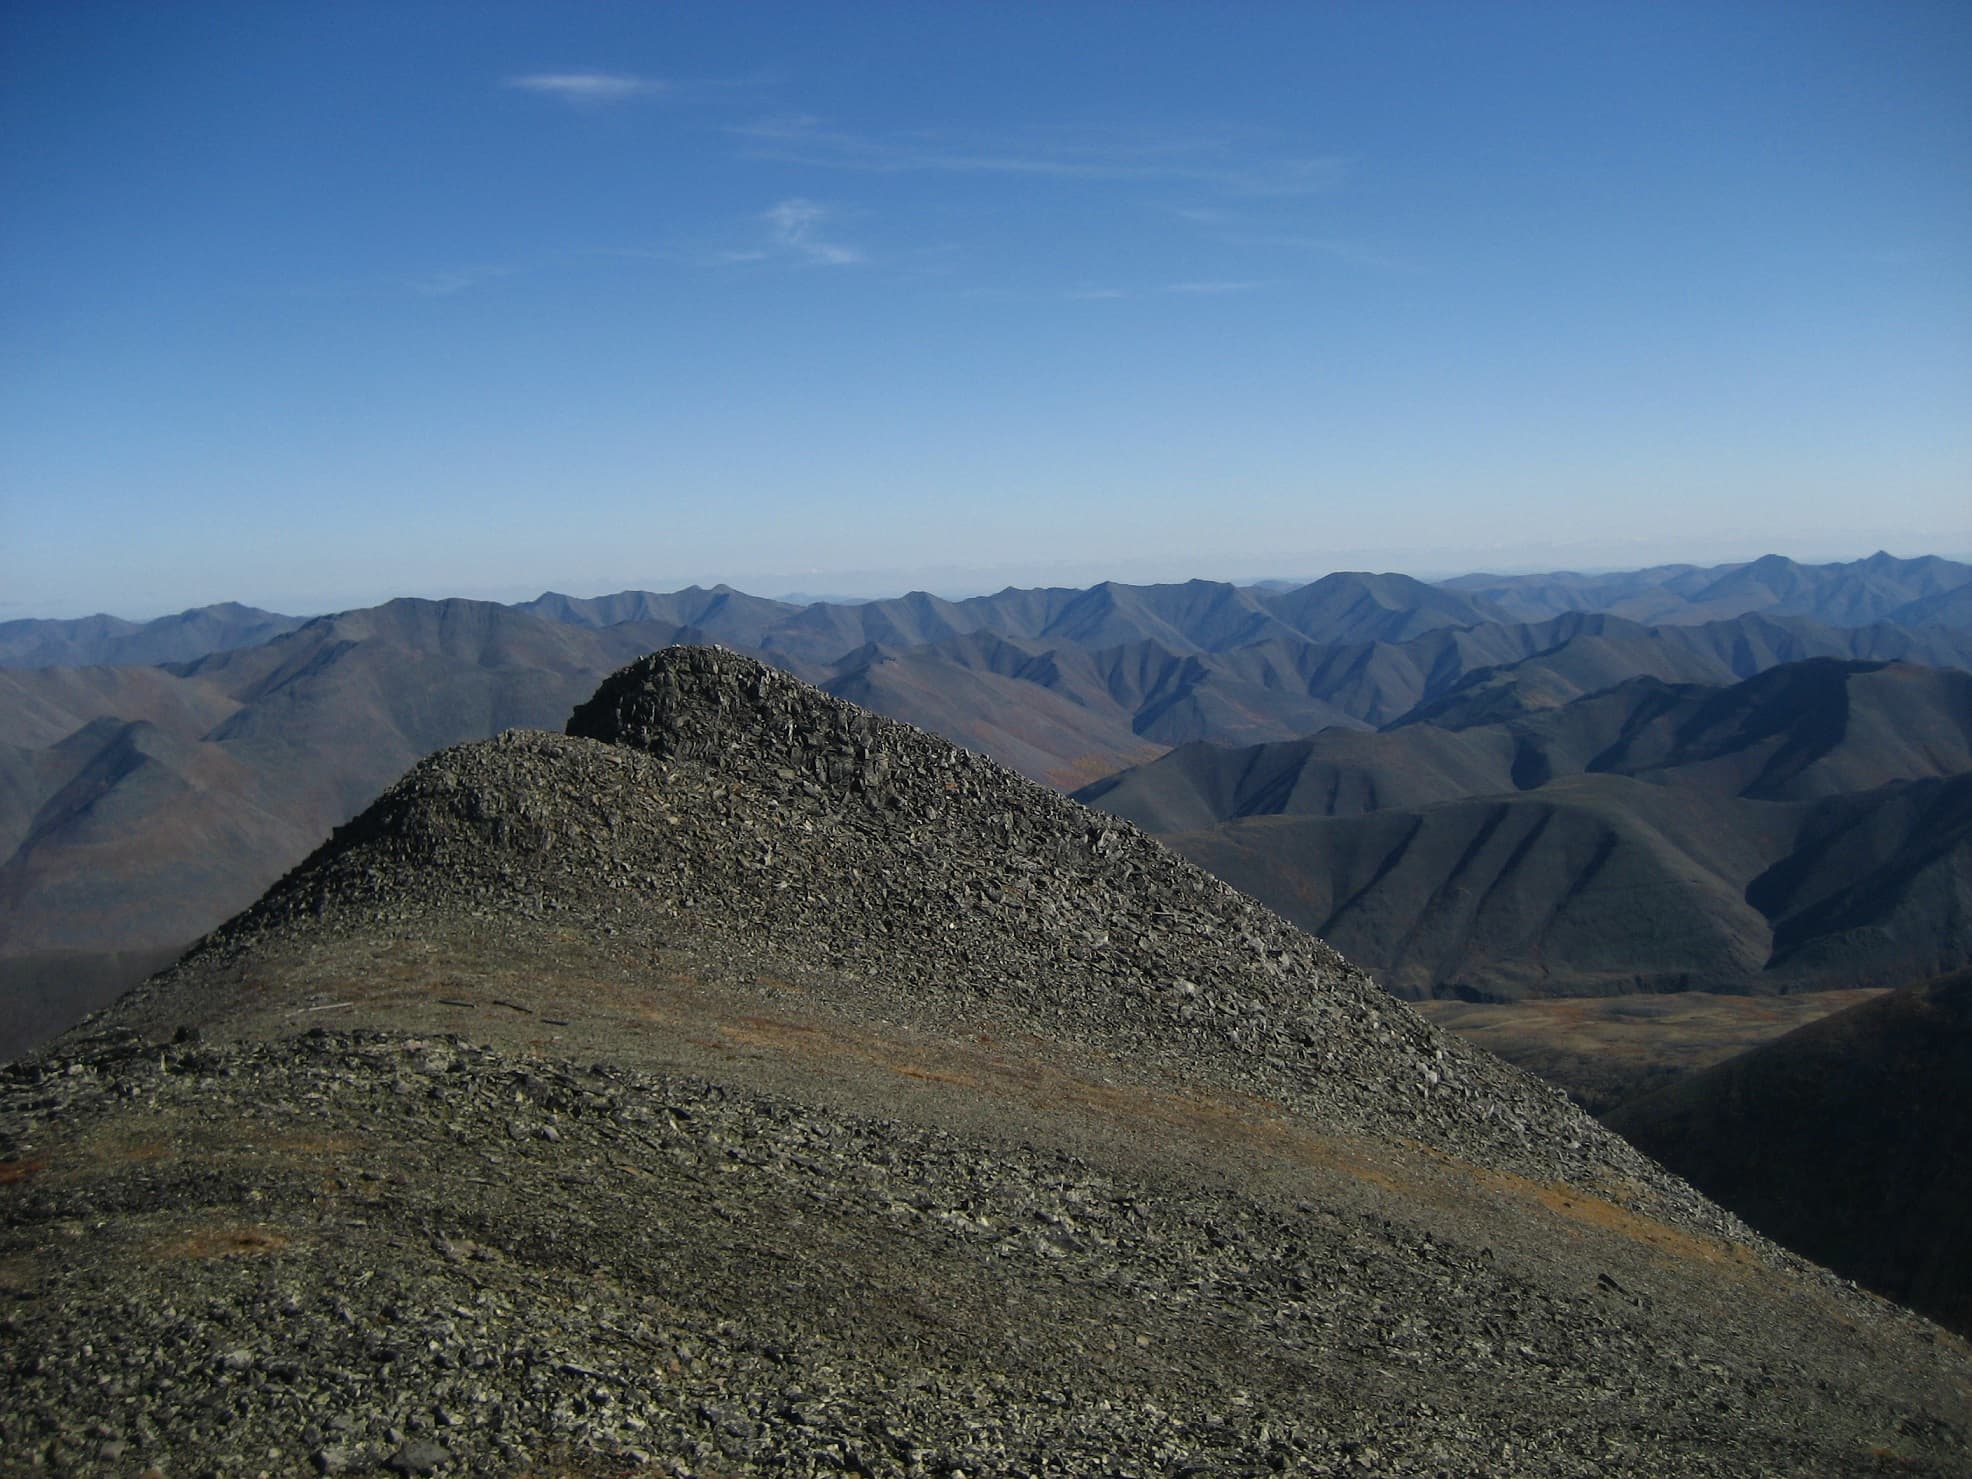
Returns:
(745, 1084)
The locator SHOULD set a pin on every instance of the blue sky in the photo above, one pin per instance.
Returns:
(308, 305)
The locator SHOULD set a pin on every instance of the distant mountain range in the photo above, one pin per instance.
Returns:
(1857, 593)
(1199, 615)
(142, 802)
(107, 641)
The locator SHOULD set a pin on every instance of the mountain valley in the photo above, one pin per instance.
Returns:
(139, 806)
(1804, 829)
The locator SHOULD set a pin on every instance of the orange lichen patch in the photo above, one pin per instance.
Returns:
(1102, 1091)
(811, 1040)
(1587, 1210)
(121, 1147)
(1891, 1457)
(1035, 1075)
(936, 1076)
(206, 1144)
(309, 1145)
(236, 1241)
(1253, 1124)
(12, 1171)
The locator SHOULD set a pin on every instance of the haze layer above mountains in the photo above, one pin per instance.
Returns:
(140, 805)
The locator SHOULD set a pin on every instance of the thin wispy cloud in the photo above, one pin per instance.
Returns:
(795, 229)
(1210, 289)
(589, 89)
(1096, 295)
(1355, 253)
(455, 280)
(1244, 229)
(1058, 154)
(628, 253)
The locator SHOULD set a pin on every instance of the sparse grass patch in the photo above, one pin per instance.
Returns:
(12, 1171)
(1579, 1206)
(310, 1144)
(239, 1240)
(19, 1275)
(126, 1145)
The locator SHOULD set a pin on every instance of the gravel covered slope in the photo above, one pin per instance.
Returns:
(706, 795)
(353, 1250)
(743, 1083)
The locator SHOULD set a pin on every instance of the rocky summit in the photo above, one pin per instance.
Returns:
(742, 1083)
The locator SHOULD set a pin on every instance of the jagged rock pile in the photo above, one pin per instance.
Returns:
(705, 794)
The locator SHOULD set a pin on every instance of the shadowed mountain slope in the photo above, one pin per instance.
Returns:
(1600, 883)
(1005, 701)
(1598, 652)
(1852, 594)
(1798, 732)
(1849, 1139)
(1951, 609)
(748, 1083)
(1334, 773)
(1587, 886)
(1284, 688)
(1805, 828)
(1066, 714)
(723, 613)
(1792, 733)
(1640, 595)
(41, 708)
(1882, 877)
(1358, 607)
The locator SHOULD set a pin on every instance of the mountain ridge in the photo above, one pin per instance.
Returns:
(1342, 606)
(294, 735)
(97, 641)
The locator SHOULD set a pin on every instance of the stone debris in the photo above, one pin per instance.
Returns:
(707, 798)
(335, 1246)
(739, 1283)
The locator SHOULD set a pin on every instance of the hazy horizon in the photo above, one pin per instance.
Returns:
(959, 582)
(310, 306)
